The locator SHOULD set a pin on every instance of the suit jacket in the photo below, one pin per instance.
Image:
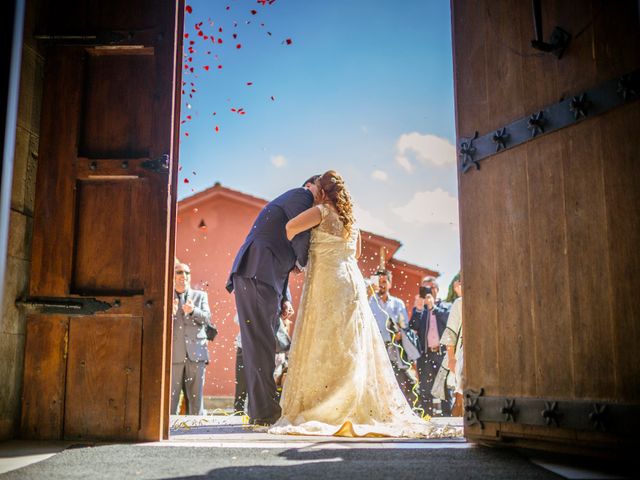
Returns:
(189, 332)
(266, 254)
(420, 321)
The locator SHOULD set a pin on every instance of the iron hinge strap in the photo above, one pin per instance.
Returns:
(615, 418)
(569, 111)
(64, 305)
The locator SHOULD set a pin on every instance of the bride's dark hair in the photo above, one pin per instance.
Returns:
(333, 186)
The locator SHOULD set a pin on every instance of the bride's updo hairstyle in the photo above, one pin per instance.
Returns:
(332, 185)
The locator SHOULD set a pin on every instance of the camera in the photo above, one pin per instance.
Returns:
(424, 291)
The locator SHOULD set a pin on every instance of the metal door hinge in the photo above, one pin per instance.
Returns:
(87, 39)
(159, 164)
(64, 305)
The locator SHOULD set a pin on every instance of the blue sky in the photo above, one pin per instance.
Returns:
(364, 87)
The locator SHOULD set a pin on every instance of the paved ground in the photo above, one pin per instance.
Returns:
(221, 448)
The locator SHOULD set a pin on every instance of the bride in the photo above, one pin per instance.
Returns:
(340, 379)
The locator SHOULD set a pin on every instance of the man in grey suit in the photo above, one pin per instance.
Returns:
(190, 357)
(259, 278)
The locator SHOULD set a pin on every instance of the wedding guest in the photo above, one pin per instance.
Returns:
(447, 380)
(391, 315)
(429, 318)
(190, 356)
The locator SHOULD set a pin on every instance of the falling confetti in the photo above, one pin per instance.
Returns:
(189, 9)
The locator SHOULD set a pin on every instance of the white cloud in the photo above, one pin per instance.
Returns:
(379, 175)
(427, 149)
(404, 163)
(278, 161)
(437, 206)
(367, 221)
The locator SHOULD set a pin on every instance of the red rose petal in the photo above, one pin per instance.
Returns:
(288, 41)
(239, 46)
(206, 67)
(253, 12)
(249, 83)
(188, 9)
(186, 180)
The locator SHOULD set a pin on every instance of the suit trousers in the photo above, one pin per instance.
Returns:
(428, 365)
(240, 397)
(258, 306)
(188, 377)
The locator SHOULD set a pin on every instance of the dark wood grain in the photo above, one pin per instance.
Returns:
(103, 378)
(43, 391)
(549, 229)
(106, 231)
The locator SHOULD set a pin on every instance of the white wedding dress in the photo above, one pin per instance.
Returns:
(340, 380)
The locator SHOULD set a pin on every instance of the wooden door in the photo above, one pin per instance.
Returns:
(96, 346)
(550, 222)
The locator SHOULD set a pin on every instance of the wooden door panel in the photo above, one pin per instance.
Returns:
(109, 238)
(550, 278)
(591, 327)
(45, 377)
(116, 104)
(52, 247)
(102, 226)
(91, 15)
(550, 227)
(103, 378)
(623, 228)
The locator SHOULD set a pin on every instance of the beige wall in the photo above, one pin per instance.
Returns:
(12, 325)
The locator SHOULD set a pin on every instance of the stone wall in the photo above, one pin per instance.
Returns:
(12, 324)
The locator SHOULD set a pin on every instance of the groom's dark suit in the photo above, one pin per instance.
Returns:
(259, 278)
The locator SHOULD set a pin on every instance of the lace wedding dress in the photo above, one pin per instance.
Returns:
(340, 380)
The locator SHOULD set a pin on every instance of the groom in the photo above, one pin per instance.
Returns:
(259, 278)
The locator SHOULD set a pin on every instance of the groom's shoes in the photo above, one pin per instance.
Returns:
(263, 422)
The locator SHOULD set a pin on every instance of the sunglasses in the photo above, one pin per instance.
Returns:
(182, 272)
